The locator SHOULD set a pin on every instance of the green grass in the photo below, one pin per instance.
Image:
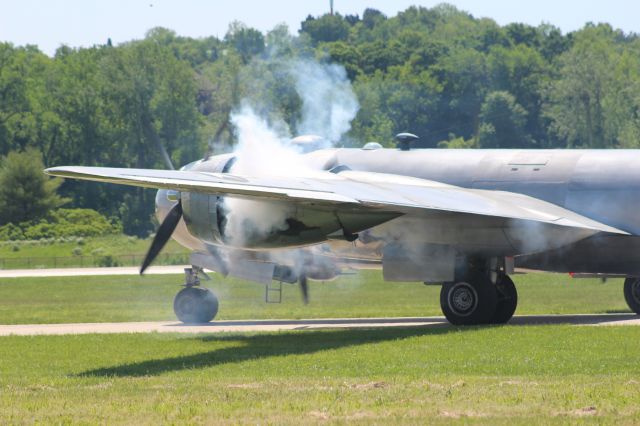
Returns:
(41, 254)
(133, 298)
(486, 375)
(554, 374)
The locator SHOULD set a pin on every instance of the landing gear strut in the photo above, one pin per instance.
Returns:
(632, 293)
(194, 304)
(476, 300)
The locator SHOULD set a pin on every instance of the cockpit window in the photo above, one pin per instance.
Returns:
(190, 165)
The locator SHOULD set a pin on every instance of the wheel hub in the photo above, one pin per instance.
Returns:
(186, 303)
(195, 305)
(463, 299)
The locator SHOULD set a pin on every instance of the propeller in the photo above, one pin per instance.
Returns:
(163, 234)
(304, 288)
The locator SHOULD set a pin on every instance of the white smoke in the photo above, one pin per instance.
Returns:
(261, 151)
(264, 149)
(328, 101)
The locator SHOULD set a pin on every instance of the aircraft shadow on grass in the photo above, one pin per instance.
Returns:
(260, 346)
(265, 346)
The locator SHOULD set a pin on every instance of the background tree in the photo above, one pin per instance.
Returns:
(455, 80)
(327, 28)
(578, 99)
(25, 192)
(372, 17)
(248, 42)
(502, 122)
(21, 71)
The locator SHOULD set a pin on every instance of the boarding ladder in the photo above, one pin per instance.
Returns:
(273, 292)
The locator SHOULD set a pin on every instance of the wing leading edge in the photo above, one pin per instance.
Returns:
(364, 190)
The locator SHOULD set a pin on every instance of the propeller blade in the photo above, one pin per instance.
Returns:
(304, 288)
(163, 234)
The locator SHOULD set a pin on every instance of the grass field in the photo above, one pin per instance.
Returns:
(41, 253)
(133, 298)
(489, 375)
(555, 374)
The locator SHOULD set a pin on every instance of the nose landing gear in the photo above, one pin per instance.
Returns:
(195, 304)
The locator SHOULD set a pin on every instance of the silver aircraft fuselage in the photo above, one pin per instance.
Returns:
(603, 185)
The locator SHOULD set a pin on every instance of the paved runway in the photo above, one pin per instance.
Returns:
(308, 324)
(77, 272)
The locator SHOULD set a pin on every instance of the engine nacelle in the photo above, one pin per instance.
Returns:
(260, 223)
(166, 199)
(253, 224)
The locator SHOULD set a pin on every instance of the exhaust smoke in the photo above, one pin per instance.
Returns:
(328, 101)
(264, 148)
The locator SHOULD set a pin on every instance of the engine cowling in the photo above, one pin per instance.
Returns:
(202, 212)
(254, 224)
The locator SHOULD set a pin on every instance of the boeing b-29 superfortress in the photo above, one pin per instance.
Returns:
(460, 218)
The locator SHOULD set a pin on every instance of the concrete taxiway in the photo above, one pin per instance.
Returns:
(307, 324)
(78, 272)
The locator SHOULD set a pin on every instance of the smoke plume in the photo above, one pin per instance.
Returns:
(328, 102)
(328, 105)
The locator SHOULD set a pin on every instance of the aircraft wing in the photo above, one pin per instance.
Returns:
(363, 191)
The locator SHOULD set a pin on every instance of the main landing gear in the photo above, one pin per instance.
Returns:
(632, 293)
(195, 304)
(475, 299)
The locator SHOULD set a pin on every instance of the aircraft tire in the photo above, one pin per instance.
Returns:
(468, 302)
(195, 305)
(632, 293)
(507, 300)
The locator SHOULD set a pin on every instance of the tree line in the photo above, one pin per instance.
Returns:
(455, 80)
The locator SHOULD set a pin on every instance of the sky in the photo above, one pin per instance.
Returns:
(82, 23)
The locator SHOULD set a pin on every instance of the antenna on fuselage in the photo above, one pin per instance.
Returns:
(404, 141)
